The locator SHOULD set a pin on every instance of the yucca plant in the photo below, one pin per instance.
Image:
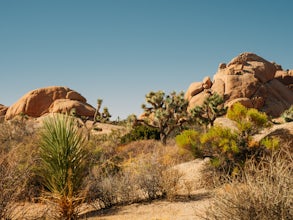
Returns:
(63, 163)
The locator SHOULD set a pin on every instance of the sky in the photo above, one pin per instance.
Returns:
(119, 50)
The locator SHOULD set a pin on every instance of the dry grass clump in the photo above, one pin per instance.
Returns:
(263, 192)
(17, 150)
(139, 171)
(11, 185)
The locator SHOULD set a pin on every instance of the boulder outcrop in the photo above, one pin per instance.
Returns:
(49, 100)
(251, 80)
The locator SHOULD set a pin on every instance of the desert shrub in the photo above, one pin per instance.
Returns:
(139, 181)
(18, 149)
(12, 184)
(190, 140)
(249, 120)
(141, 132)
(143, 174)
(263, 192)
(16, 171)
(288, 114)
(229, 149)
(13, 132)
(222, 146)
(63, 165)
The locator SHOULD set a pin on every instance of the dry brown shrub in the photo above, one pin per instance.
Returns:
(264, 192)
(143, 174)
(13, 180)
(17, 161)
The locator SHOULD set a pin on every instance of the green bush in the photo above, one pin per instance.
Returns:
(229, 149)
(141, 132)
(224, 147)
(249, 120)
(189, 140)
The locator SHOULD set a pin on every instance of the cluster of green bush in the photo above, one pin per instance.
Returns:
(229, 148)
(141, 132)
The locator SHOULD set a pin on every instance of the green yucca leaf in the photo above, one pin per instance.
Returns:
(62, 156)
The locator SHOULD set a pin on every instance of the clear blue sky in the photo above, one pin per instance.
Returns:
(119, 50)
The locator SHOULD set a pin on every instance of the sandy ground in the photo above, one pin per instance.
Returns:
(189, 204)
(180, 209)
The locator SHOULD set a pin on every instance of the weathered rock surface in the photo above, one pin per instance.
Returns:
(41, 101)
(285, 77)
(64, 106)
(3, 110)
(251, 80)
(282, 131)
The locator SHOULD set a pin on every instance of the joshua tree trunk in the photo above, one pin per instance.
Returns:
(163, 138)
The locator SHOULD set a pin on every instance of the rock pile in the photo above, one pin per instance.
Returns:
(250, 80)
(54, 99)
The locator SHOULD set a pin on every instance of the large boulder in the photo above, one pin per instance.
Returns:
(251, 80)
(37, 102)
(252, 63)
(193, 90)
(197, 87)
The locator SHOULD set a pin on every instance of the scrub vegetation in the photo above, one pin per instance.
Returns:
(57, 162)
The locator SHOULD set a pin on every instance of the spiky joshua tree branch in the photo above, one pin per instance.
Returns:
(165, 112)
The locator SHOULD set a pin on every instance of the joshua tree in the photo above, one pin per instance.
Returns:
(63, 163)
(212, 108)
(101, 116)
(165, 112)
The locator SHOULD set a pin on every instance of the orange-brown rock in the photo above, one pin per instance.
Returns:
(3, 110)
(207, 83)
(251, 80)
(37, 102)
(253, 64)
(65, 105)
(285, 77)
(240, 86)
(244, 101)
(193, 90)
(218, 86)
(284, 132)
(198, 99)
(279, 98)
